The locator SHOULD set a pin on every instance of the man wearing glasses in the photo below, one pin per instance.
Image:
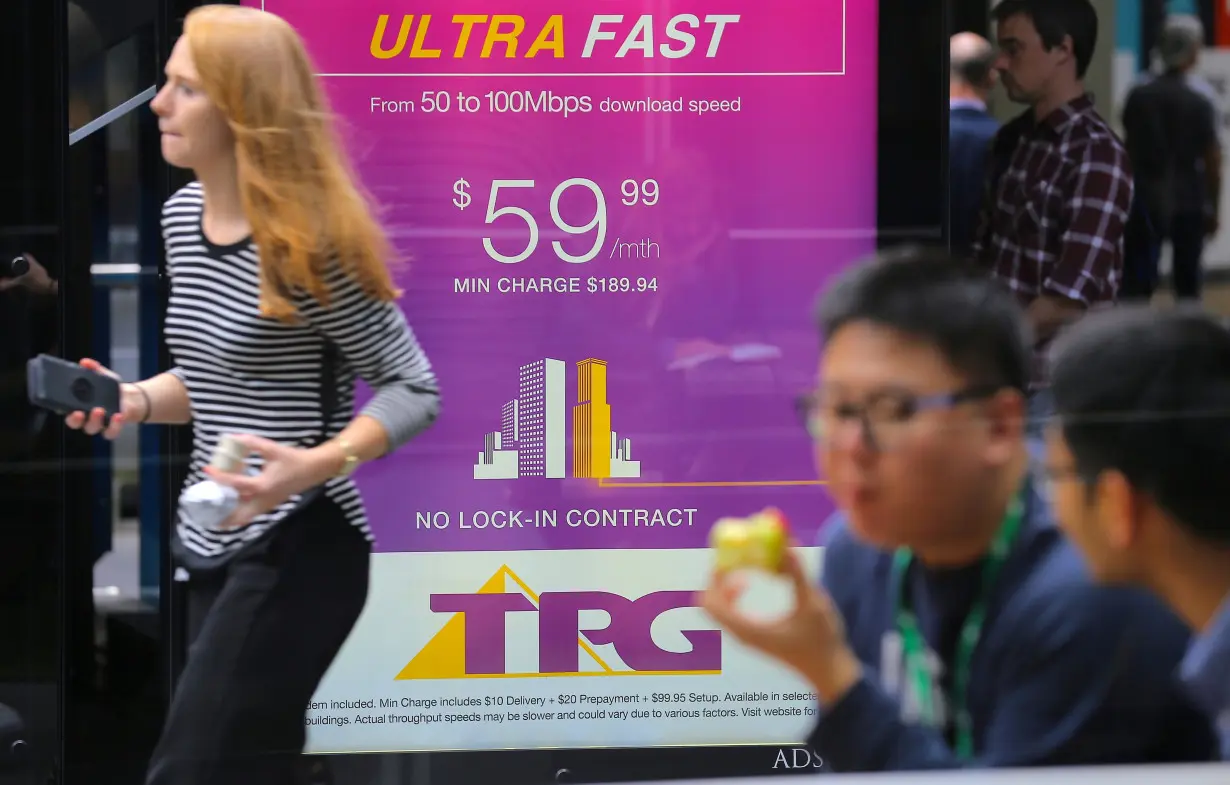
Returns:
(955, 625)
(1137, 461)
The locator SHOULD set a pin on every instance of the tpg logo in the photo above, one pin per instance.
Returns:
(471, 644)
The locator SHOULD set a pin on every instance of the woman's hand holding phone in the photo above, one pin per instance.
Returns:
(132, 408)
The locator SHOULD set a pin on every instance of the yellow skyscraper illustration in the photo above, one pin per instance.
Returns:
(591, 422)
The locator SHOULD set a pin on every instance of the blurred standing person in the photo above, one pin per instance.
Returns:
(1137, 461)
(970, 130)
(1060, 187)
(1195, 80)
(281, 297)
(1172, 138)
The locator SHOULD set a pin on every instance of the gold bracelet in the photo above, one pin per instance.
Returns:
(350, 461)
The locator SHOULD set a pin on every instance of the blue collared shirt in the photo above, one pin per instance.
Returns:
(1067, 671)
(970, 130)
(967, 103)
(1206, 672)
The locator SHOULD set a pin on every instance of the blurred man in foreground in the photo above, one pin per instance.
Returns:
(955, 625)
(1137, 464)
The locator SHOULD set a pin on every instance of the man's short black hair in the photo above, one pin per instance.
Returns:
(1147, 393)
(926, 294)
(1054, 19)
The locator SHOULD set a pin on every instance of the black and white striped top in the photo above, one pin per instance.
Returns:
(247, 374)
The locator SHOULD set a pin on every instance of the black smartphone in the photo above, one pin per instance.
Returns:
(65, 387)
(13, 266)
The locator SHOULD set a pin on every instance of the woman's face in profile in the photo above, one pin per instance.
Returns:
(194, 130)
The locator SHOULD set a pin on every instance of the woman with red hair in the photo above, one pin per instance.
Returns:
(281, 296)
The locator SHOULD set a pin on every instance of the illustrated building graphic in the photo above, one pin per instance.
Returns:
(508, 422)
(541, 441)
(591, 422)
(532, 440)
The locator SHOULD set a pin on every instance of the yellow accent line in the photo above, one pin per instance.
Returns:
(604, 483)
(534, 596)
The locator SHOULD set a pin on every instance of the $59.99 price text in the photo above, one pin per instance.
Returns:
(520, 223)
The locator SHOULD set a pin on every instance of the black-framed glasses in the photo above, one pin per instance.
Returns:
(882, 415)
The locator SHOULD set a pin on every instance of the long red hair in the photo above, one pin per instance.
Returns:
(300, 194)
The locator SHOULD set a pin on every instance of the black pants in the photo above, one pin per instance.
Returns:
(1143, 247)
(263, 630)
(1187, 243)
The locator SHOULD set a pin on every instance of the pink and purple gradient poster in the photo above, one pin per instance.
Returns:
(621, 327)
(614, 218)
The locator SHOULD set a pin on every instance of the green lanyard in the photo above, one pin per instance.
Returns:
(914, 648)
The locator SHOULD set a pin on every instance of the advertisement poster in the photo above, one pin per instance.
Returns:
(614, 217)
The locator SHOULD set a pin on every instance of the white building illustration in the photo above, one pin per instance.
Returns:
(532, 440)
(541, 421)
(622, 465)
(494, 462)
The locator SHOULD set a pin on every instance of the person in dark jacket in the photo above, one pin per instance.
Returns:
(970, 130)
(1171, 133)
(956, 626)
(1136, 460)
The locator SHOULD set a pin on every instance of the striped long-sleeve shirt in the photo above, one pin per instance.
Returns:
(247, 374)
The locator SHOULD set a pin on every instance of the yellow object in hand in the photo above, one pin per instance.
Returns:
(757, 542)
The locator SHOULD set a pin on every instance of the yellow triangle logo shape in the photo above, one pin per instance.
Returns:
(444, 656)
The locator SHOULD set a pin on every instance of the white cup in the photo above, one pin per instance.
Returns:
(229, 455)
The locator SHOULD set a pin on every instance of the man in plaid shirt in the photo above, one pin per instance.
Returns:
(1060, 184)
